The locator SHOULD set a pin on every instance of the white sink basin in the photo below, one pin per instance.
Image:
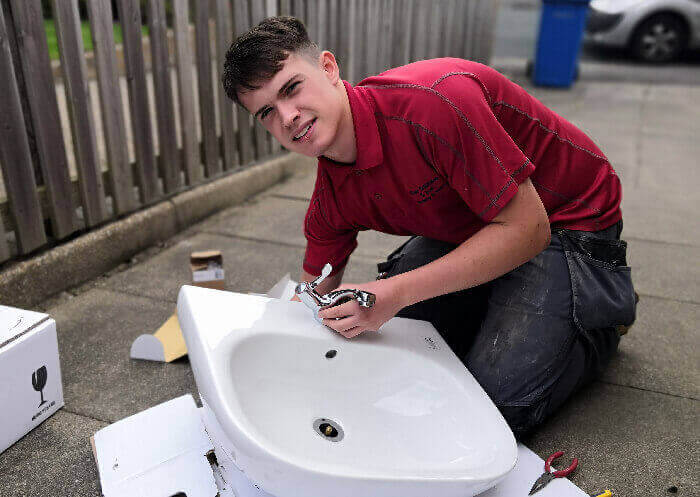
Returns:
(403, 415)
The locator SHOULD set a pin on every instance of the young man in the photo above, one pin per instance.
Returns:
(515, 256)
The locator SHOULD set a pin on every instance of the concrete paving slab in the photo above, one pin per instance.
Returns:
(281, 220)
(251, 266)
(95, 332)
(656, 215)
(55, 459)
(676, 117)
(625, 116)
(660, 351)
(683, 95)
(620, 92)
(298, 186)
(665, 270)
(633, 442)
(665, 164)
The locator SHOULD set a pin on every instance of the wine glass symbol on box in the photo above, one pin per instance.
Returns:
(39, 382)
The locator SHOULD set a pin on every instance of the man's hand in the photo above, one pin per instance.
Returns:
(355, 319)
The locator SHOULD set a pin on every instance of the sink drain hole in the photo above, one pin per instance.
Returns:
(328, 429)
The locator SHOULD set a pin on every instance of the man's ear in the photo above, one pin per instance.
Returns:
(329, 66)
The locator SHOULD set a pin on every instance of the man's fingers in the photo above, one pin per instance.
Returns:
(341, 325)
(339, 311)
(352, 332)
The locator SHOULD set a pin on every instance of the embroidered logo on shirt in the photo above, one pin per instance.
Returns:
(426, 191)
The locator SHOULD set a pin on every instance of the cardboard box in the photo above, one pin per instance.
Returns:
(30, 372)
(208, 269)
(167, 343)
(159, 452)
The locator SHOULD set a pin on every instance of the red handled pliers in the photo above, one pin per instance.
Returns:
(549, 475)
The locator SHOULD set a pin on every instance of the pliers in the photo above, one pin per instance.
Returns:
(549, 475)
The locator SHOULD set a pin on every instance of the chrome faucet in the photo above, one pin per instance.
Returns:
(313, 300)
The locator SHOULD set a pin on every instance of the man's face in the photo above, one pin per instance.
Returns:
(301, 105)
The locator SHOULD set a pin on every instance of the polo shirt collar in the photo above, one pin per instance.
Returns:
(367, 138)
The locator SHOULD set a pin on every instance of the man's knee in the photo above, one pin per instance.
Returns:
(524, 395)
(522, 419)
(522, 411)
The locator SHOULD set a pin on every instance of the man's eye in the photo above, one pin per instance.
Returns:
(264, 113)
(291, 87)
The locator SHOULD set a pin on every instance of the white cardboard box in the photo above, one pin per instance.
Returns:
(30, 372)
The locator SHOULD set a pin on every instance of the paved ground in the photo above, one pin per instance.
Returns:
(635, 430)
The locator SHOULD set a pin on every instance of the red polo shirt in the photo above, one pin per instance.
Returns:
(442, 146)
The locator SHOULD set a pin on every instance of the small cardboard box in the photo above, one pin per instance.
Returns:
(30, 372)
(208, 269)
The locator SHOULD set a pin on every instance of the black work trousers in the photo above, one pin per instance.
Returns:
(537, 334)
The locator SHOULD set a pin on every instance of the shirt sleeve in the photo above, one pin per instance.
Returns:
(329, 239)
(471, 149)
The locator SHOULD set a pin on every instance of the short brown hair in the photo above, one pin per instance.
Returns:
(256, 56)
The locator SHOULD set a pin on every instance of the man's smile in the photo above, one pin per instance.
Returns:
(303, 133)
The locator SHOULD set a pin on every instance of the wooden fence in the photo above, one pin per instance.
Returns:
(162, 129)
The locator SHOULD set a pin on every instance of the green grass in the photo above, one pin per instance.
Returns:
(50, 28)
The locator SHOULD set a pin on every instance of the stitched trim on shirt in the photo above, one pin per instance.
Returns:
(539, 123)
(446, 144)
(570, 200)
(456, 109)
(497, 198)
(316, 201)
(470, 74)
(505, 187)
(520, 169)
(564, 140)
(419, 140)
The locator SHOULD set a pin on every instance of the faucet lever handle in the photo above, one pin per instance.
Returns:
(324, 272)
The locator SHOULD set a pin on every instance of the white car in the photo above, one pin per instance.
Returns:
(653, 30)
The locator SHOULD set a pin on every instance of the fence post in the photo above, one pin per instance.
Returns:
(223, 40)
(147, 173)
(15, 155)
(262, 142)
(245, 131)
(487, 13)
(165, 113)
(45, 118)
(121, 179)
(183, 59)
(70, 44)
(4, 249)
(13, 38)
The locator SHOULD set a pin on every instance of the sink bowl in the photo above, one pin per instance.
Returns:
(304, 412)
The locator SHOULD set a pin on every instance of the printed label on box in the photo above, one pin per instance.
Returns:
(208, 275)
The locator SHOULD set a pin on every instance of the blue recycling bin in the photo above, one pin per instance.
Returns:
(559, 42)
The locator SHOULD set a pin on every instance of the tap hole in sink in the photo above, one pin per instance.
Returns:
(329, 429)
(331, 354)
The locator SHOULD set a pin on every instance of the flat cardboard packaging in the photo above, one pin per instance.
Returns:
(167, 343)
(143, 455)
(30, 372)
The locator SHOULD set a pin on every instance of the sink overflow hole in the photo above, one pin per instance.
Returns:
(331, 354)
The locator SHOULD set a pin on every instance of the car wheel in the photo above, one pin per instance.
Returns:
(660, 38)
